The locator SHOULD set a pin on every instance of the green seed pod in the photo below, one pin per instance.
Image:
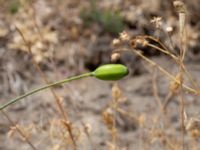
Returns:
(111, 72)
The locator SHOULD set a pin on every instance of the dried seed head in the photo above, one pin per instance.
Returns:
(141, 120)
(88, 127)
(169, 29)
(174, 86)
(112, 146)
(143, 42)
(192, 124)
(133, 43)
(124, 36)
(116, 92)
(179, 6)
(108, 118)
(157, 21)
(195, 134)
(139, 42)
(193, 127)
(116, 42)
(12, 131)
(115, 57)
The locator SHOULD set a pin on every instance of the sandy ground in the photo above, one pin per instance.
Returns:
(63, 46)
(91, 97)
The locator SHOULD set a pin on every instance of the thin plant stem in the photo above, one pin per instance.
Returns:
(157, 41)
(164, 51)
(44, 87)
(182, 17)
(128, 114)
(167, 100)
(57, 99)
(77, 112)
(19, 130)
(42, 74)
(155, 90)
(114, 129)
(138, 53)
(195, 85)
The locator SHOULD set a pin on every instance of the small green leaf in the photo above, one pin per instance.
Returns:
(111, 72)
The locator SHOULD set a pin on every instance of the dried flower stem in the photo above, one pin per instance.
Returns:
(194, 84)
(138, 53)
(155, 90)
(57, 99)
(180, 7)
(19, 130)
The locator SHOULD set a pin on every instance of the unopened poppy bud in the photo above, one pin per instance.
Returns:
(111, 72)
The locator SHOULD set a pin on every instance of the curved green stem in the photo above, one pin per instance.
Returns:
(45, 87)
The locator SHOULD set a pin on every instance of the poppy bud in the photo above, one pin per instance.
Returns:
(111, 72)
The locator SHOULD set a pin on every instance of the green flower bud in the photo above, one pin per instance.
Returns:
(111, 72)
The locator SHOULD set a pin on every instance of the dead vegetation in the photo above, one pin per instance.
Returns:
(156, 107)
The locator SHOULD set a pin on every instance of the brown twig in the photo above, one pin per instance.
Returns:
(165, 72)
(179, 5)
(57, 99)
(155, 90)
(74, 105)
(167, 100)
(19, 130)
(165, 51)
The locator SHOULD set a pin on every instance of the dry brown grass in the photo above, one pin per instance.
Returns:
(63, 132)
(177, 85)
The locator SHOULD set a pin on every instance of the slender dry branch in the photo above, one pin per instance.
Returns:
(19, 130)
(57, 99)
(155, 90)
(154, 64)
(194, 84)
